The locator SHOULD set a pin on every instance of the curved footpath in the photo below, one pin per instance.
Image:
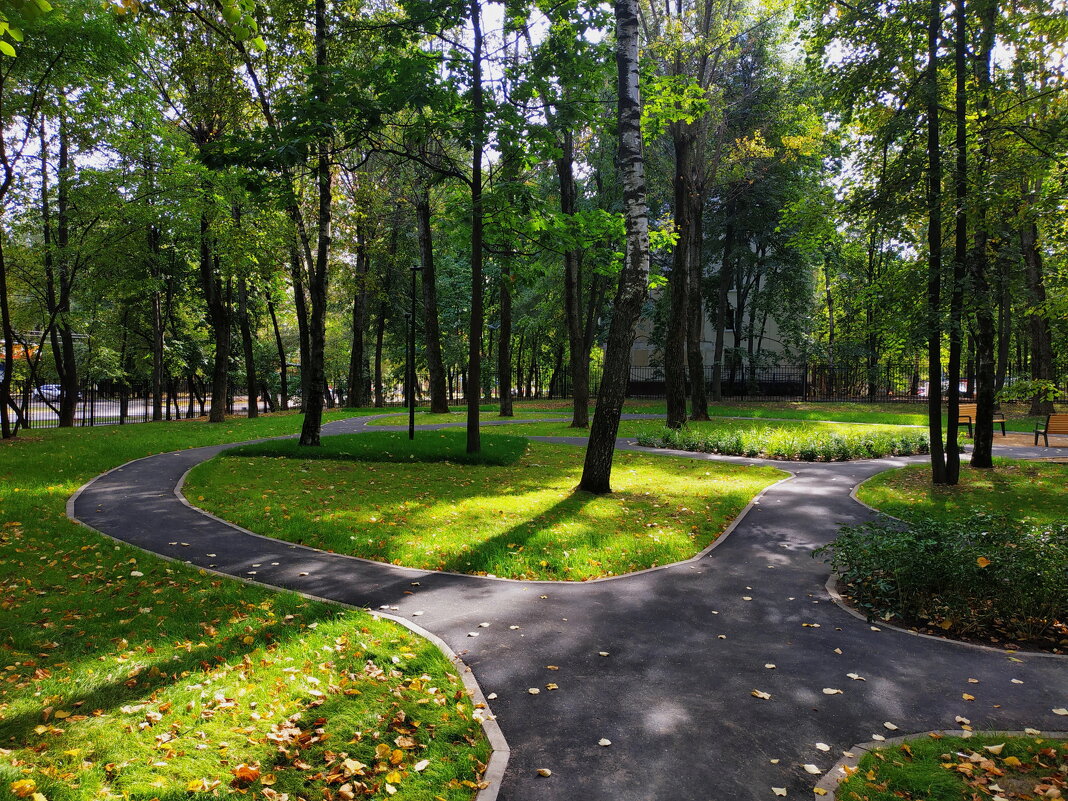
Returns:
(686, 644)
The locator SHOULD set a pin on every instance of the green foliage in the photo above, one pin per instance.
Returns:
(789, 442)
(1036, 389)
(667, 99)
(975, 575)
(394, 446)
(28, 10)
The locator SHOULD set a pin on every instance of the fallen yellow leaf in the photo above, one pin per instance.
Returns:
(982, 561)
(23, 788)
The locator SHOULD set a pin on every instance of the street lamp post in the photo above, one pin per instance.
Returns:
(411, 359)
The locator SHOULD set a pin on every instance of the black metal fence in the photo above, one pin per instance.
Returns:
(102, 404)
(118, 404)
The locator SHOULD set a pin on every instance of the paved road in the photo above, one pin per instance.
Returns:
(686, 645)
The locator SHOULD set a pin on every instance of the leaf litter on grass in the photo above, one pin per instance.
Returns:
(123, 674)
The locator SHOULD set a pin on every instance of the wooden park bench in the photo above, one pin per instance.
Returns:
(1055, 424)
(967, 415)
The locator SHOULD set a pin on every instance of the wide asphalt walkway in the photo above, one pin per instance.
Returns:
(686, 645)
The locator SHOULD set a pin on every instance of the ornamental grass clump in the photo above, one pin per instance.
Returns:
(980, 576)
(800, 443)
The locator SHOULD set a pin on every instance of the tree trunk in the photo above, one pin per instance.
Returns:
(6, 429)
(576, 340)
(217, 299)
(58, 276)
(439, 402)
(283, 373)
(634, 277)
(359, 394)
(725, 280)
(478, 136)
(679, 283)
(504, 345)
(1005, 320)
(695, 327)
(300, 304)
(934, 251)
(380, 333)
(979, 264)
(960, 248)
(1038, 328)
(251, 382)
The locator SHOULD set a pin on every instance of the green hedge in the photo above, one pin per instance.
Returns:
(797, 443)
(394, 446)
(980, 575)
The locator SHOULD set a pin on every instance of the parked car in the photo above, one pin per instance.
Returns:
(50, 392)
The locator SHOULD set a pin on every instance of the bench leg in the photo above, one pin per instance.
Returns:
(1003, 429)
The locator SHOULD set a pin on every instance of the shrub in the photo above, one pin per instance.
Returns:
(394, 446)
(984, 574)
(794, 442)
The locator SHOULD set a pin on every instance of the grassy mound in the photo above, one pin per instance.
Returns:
(521, 520)
(394, 446)
(1033, 490)
(122, 675)
(954, 768)
(805, 442)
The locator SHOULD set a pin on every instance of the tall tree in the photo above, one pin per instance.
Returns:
(634, 277)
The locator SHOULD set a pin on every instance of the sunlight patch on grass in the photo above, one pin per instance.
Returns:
(954, 768)
(125, 675)
(521, 521)
(1032, 490)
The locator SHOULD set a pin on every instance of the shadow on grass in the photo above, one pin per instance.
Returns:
(482, 554)
(153, 675)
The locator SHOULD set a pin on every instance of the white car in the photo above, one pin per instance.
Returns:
(49, 392)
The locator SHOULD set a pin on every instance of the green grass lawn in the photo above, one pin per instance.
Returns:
(633, 428)
(459, 417)
(899, 413)
(1035, 490)
(126, 676)
(521, 521)
(956, 769)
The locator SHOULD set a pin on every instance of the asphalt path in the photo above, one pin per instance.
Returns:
(661, 663)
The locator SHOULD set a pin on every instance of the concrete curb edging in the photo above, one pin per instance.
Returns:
(423, 571)
(831, 586)
(847, 764)
(832, 590)
(500, 753)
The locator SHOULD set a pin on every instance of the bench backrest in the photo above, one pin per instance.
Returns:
(968, 410)
(1057, 424)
